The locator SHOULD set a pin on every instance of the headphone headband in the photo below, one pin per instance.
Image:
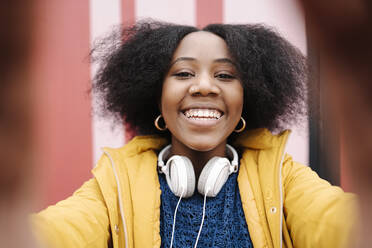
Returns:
(234, 154)
(230, 151)
(166, 151)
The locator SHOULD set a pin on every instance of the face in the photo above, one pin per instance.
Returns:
(202, 96)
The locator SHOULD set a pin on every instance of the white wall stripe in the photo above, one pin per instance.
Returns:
(285, 15)
(180, 11)
(104, 15)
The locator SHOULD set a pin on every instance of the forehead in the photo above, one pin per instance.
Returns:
(202, 44)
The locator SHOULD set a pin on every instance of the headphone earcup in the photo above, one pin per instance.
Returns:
(180, 176)
(213, 176)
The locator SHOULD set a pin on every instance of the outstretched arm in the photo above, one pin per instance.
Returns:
(317, 213)
(79, 221)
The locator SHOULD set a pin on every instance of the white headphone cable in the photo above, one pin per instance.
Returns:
(201, 225)
(174, 218)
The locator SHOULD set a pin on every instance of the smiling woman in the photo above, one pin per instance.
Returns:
(203, 103)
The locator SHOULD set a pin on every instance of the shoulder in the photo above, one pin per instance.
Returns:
(137, 146)
(128, 160)
(134, 149)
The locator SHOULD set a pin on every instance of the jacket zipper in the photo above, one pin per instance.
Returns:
(281, 191)
(120, 198)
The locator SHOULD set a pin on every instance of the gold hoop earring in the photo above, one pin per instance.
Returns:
(242, 128)
(156, 123)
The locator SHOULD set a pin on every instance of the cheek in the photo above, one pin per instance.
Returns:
(236, 99)
(165, 96)
(240, 98)
(170, 97)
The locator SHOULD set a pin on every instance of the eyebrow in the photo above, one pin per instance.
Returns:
(221, 60)
(182, 59)
(225, 60)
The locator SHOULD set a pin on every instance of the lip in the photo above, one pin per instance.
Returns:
(203, 106)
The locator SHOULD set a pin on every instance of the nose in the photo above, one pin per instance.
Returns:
(204, 85)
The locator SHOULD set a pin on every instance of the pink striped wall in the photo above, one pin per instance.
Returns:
(68, 137)
(209, 11)
(128, 17)
(128, 11)
(61, 79)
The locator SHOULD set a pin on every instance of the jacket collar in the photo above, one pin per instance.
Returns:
(260, 138)
(144, 143)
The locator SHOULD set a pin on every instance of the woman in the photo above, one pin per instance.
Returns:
(198, 91)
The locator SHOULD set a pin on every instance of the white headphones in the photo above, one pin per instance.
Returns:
(180, 176)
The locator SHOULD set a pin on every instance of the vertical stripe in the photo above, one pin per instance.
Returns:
(180, 11)
(62, 110)
(209, 11)
(104, 16)
(128, 17)
(128, 11)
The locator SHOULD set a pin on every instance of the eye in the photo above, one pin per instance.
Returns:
(183, 75)
(225, 76)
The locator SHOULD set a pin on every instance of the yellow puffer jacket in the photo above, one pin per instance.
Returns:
(285, 203)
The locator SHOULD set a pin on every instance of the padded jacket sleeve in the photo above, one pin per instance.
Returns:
(317, 213)
(79, 221)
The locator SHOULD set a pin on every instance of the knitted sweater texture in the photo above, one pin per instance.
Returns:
(224, 223)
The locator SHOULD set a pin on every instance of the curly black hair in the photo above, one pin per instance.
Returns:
(134, 61)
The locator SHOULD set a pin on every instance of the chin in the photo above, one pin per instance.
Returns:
(198, 144)
(202, 147)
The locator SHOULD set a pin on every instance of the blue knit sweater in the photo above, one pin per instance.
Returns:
(224, 223)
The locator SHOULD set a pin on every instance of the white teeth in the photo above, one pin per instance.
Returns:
(203, 113)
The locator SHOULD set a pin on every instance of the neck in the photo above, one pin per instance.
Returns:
(198, 158)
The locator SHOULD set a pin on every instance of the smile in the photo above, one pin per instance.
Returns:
(203, 114)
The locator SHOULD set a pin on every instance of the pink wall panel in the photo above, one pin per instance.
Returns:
(128, 11)
(61, 74)
(209, 11)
